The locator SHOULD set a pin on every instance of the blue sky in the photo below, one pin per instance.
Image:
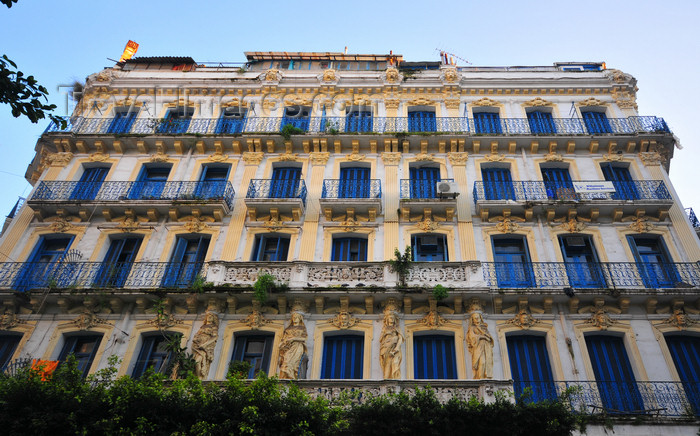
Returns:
(658, 43)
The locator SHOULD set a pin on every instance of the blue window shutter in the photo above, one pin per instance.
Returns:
(530, 367)
(596, 122)
(89, 184)
(487, 122)
(83, 348)
(498, 184)
(271, 248)
(153, 353)
(358, 121)
(653, 261)
(8, 345)
(150, 182)
(117, 263)
(429, 248)
(354, 182)
(541, 122)
(122, 122)
(581, 261)
(512, 262)
(685, 351)
(186, 261)
(342, 357)
(423, 182)
(285, 182)
(255, 349)
(625, 186)
(421, 121)
(349, 249)
(434, 357)
(557, 182)
(613, 373)
(43, 264)
(212, 182)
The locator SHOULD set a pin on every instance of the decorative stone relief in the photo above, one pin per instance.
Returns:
(679, 315)
(574, 224)
(247, 275)
(252, 158)
(650, 159)
(436, 275)
(507, 223)
(391, 159)
(372, 275)
(392, 75)
(256, 318)
(553, 156)
(600, 314)
(495, 157)
(640, 223)
(390, 343)
(485, 101)
(344, 318)
(292, 346)
(98, 157)
(523, 319)
(60, 159)
(425, 157)
(480, 346)
(329, 76)
(319, 158)
(271, 75)
(204, 343)
(450, 75)
(592, 101)
(538, 102)
(432, 318)
(61, 224)
(458, 159)
(88, 319)
(9, 320)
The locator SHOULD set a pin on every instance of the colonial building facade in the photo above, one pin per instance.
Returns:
(255, 213)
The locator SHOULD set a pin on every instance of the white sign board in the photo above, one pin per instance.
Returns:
(593, 187)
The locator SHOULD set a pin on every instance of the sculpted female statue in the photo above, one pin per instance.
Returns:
(292, 347)
(204, 343)
(480, 345)
(390, 346)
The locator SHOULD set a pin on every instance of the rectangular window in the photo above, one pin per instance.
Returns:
(613, 374)
(541, 123)
(89, 184)
(487, 122)
(150, 183)
(8, 346)
(83, 348)
(581, 261)
(429, 248)
(557, 182)
(512, 263)
(354, 183)
(421, 121)
(498, 184)
(177, 120)
(154, 354)
(231, 121)
(122, 121)
(653, 261)
(685, 351)
(271, 248)
(254, 349)
(424, 182)
(186, 262)
(434, 357)
(342, 357)
(529, 366)
(43, 267)
(358, 121)
(117, 263)
(625, 187)
(349, 250)
(596, 122)
(212, 182)
(285, 182)
(296, 116)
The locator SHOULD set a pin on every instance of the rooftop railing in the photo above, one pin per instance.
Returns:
(591, 275)
(619, 398)
(370, 125)
(544, 191)
(277, 189)
(24, 276)
(203, 191)
(420, 189)
(693, 218)
(360, 189)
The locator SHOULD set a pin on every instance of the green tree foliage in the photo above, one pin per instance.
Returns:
(100, 405)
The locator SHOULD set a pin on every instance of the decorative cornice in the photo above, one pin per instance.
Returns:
(538, 101)
(391, 159)
(591, 101)
(319, 158)
(458, 158)
(485, 101)
(523, 319)
(252, 157)
(651, 158)
(98, 157)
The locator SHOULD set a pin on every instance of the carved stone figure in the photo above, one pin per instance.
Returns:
(204, 343)
(390, 346)
(292, 347)
(480, 345)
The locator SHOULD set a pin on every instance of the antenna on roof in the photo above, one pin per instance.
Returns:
(451, 59)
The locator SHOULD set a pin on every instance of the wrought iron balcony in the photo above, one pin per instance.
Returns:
(590, 275)
(23, 276)
(693, 218)
(637, 190)
(333, 125)
(619, 398)
(83, 192)
(360, 189)
(421, 189)
(283, 189)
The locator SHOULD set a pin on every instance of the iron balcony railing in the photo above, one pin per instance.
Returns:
(23, 276)
(203, 191)
(692, 217)
(332, 125)
(420, 189)
(590, 275)
(342, 188)
(277, 189)
(670, 399)
(543, 191)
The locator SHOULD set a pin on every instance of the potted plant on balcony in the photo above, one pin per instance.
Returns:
(401, 264)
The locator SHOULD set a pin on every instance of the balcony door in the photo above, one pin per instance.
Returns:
(421, 121)
(685, 351)
(557, 182)
(212, 182)
(231, 121)
(122, 121)
(83, 348)
(498, 185)
(596, 122)
(653, 261)
(117, 263)
(429, 248)
(487, 122)
(358, 121)
(617, 385)
(424, 182)
(154, 354)
(434, 357)
(354, 182)
(296, 116)
(582, 265)
(89, 184)
(625, 187)
(43, 267)
(255, 349)
(530, 367)
(541, 123)
(342, 357)
(349, 250)
(285, 182)
(177, 120)
(512, 263)
(186, 262)
(150, 183)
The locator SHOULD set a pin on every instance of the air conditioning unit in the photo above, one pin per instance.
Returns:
(446, 189)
